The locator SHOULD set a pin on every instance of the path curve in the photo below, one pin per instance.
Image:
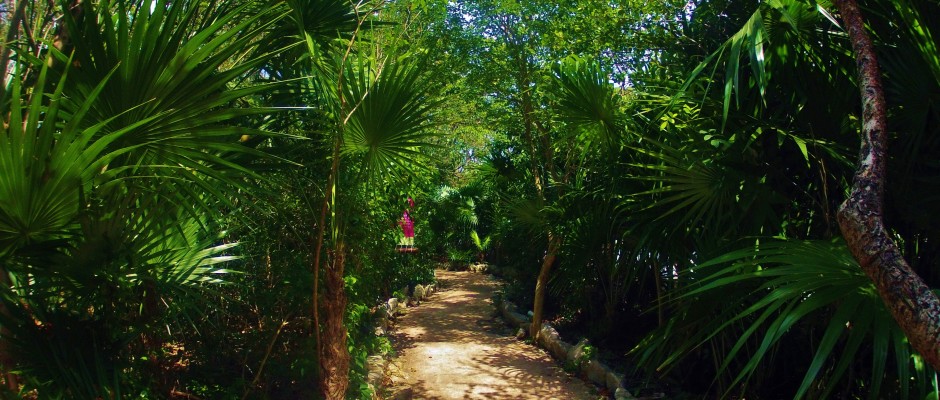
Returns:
(453, 347)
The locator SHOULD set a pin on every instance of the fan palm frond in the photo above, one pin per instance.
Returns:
(46, 168)
(390, 113)
(698, 192)
(131, 265)
(175, 66)
(588, 101)
(788, 282)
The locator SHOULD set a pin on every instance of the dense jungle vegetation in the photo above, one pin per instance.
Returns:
(200, 199)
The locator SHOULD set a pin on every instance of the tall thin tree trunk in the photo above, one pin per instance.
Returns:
(914, 306)
(321, 229)
(333, 377)
(533, 143)
(333, 353)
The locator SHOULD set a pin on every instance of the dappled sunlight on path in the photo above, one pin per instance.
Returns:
(452, 347)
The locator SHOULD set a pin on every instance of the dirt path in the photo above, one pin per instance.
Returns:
(452, 347)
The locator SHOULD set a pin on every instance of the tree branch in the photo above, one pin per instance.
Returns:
(912, 304)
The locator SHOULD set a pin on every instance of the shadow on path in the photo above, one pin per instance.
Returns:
(451, 347)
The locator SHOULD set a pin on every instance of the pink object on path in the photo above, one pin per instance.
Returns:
(407, 225)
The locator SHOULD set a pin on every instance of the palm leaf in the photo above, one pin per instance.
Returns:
(776, 33)
(588, 102)
(39, 199)
(173, 87)
(389, 116)
(787, 283)
(699, 192)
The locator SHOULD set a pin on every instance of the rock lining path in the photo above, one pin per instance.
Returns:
(453, 347)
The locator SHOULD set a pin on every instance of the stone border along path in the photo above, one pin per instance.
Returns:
(454, 347)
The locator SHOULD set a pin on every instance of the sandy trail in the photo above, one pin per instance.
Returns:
(452, 347)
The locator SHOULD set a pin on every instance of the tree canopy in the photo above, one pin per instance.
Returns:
(201, 199)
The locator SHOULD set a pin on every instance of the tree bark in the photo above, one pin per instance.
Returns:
(334, 356)
(912, 304)
(541, 284)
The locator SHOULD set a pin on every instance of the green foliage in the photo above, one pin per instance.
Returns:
(647, 137)
(588, 103)
(481, 245)
(787, 286)
(389, 116)
(117, 241)
(169, 87)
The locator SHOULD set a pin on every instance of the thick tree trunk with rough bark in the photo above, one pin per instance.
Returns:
(914, 306)
(541, 284)
(334, 355)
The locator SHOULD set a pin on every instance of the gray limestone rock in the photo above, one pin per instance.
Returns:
(551, 341)
(514, 319)
(623, 394)
(478, 268)
(577, 352)
(561, 349)
(376, 369)
(518, 320)
(596, 372)
(382, 316)
(614, 381)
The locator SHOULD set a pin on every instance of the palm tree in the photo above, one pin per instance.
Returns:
(380, 109)
(386, 113)
(124, 158)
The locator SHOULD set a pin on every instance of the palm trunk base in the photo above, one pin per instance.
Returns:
(538, 306)
(334, 355)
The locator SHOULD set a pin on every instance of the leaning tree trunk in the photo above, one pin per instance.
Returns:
(914, 306)
(334, 355)
(541, 283)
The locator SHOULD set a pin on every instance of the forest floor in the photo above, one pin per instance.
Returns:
(454, 347)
